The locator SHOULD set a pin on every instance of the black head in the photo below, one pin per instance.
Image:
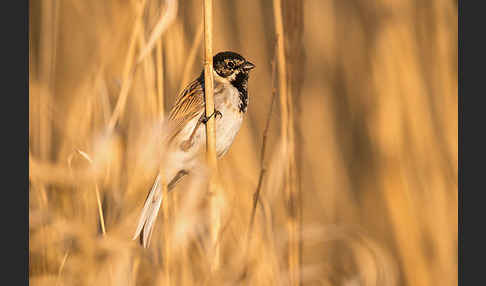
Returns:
(230, 64)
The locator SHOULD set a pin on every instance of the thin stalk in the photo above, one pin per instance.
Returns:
(256, 195)
(161, 26)
(160, 78)
(100, 210)
(165, 206)
(191, 59)
(48, 46)
(127, 71)
(61, 267)
(97, 191)
(102, 95)
(210, 130)
(148, 71)
(288, 150)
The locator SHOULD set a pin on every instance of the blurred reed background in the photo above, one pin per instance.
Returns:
(373, 88)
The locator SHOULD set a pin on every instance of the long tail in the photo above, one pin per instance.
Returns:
(151, 208)
(149, 214)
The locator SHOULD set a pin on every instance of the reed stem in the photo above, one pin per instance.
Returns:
(160, 79)
(288, 147)
(128, 71)
(211, 131)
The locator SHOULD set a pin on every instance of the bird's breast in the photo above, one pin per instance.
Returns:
(228, 125)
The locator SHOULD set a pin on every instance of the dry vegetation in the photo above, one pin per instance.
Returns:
(360, 186)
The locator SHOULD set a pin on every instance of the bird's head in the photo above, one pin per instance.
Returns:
(231, 66)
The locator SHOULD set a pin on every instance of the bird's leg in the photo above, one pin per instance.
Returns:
(204, 119)
(185, 145)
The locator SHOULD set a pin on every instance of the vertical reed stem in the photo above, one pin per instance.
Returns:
(160, 78)
(49, 28)
(127, 70)
(192, 56)
(97, 192)
(166, 204)
(165, 194)
(210, 130)
(149, 72)
(256, 195)
(288, 149)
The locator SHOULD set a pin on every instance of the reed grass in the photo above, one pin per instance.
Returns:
(362, 144)
(288, 150)
(160, 78)
(214, 189)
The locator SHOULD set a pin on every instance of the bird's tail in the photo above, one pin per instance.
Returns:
(149, 213)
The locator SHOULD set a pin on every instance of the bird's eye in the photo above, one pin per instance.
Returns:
(231, 65)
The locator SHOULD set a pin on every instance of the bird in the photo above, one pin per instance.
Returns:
(187, 133)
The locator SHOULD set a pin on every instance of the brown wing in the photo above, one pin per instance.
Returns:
(189, 104)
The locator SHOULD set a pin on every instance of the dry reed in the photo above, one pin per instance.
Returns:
(288, 150)
(214, 189)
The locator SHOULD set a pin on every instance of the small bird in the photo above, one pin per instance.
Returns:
(187, 132)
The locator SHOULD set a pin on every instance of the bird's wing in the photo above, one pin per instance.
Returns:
(189, 104)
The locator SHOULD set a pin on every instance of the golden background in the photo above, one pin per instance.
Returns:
(374, 90)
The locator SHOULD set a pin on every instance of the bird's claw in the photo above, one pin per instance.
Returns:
(205, 119)
(216, 113)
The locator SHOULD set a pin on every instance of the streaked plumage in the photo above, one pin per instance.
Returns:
(187, 132)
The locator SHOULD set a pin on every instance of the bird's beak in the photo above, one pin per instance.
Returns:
(248, 66)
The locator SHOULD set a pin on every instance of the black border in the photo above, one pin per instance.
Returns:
(471, 121)
(14, 208)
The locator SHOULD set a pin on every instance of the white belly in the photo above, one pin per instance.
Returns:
(227, 126)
